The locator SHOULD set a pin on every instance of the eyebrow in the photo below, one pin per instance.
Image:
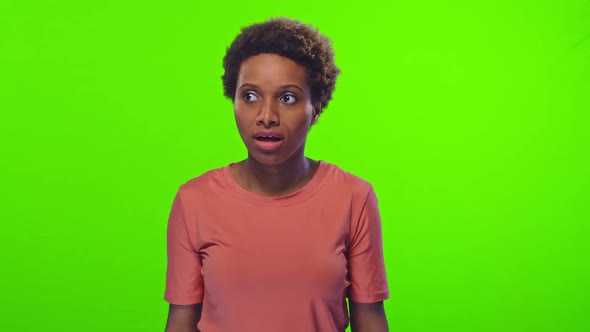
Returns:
(282, 87)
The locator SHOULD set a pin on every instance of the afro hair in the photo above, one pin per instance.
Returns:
(291, 39)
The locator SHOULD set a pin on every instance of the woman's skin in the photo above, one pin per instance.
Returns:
(273, 95)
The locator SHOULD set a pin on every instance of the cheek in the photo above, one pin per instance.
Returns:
(244, 122)
(303, 127)
(240, 122)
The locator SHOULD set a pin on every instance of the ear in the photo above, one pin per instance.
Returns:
(316, 113)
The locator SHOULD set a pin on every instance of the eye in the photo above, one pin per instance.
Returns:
(249, 97)
(289, 99)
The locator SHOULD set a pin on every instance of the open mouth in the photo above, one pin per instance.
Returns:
(268, 142)
(268, 139)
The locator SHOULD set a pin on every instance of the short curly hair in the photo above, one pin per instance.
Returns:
(292, 39)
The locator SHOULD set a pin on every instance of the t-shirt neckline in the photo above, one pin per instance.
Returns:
(301, 194)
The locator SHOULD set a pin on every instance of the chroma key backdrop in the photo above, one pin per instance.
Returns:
(470, 118)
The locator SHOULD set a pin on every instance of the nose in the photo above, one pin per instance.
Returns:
(267, 115)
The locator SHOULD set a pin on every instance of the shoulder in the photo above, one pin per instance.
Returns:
(210, 181)
(344, 181)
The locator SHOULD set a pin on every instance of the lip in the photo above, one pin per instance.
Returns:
(267, 133)
(268, 146)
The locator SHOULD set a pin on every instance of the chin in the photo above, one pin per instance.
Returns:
(275, 158)
(268, 159)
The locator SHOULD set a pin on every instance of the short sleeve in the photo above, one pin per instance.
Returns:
(184, 282)
(366, 266)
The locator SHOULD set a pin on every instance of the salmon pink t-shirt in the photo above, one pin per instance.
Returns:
(284, 263)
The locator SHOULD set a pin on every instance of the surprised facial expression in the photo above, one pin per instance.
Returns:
(273, 108)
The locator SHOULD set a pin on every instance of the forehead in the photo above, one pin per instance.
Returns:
(271, 70)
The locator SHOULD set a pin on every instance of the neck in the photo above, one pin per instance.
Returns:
(277, 180)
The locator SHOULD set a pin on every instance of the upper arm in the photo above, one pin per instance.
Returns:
(368, 317)
(366, 265)
(183, 318)
(184, 282)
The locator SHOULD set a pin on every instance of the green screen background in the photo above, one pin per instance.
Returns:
(470, 118)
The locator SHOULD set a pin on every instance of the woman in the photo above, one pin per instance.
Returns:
(278, 241)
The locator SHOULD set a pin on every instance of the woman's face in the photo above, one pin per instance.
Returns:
(273, 108)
